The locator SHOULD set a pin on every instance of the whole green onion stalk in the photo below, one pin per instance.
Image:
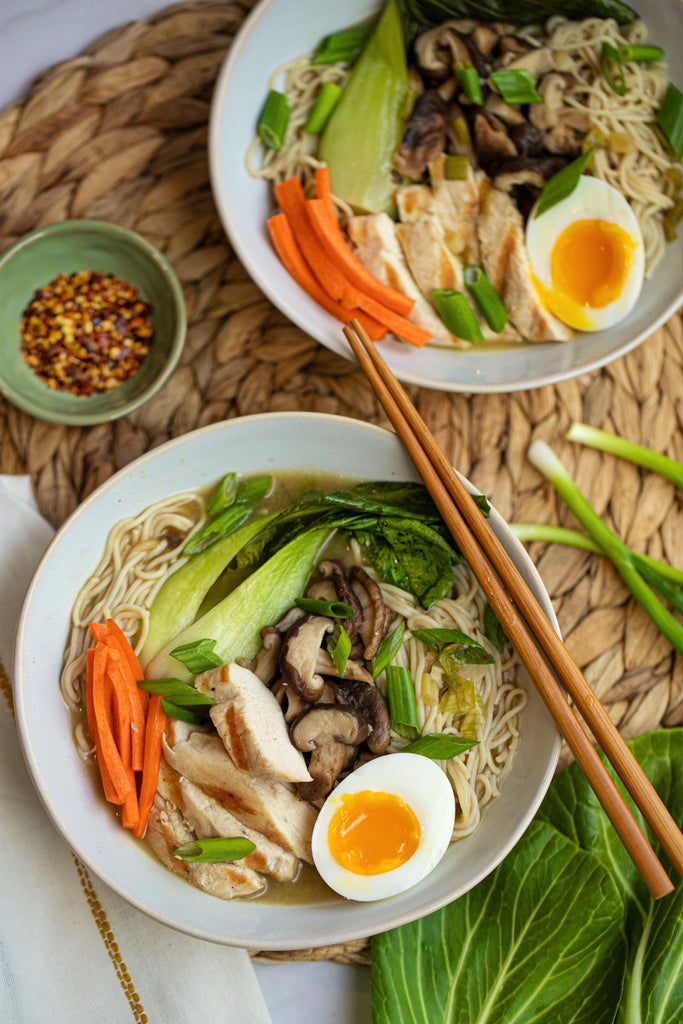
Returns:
(639, 573)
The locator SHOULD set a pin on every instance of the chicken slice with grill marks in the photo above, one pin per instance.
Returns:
(506, 262)
(432, 263)
(168, 828)
(457, 207)
(375, 243)
(249, 720)
(209, 818)
(273, 808)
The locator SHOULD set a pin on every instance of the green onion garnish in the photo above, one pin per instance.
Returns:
(516, 86)
(199, 851)
(640, 52)
(455, 311)
(223, 496)
(197, 656)
(274, 119)
(340, 47)
(253, 490)
(332, 609)
(438, 637)
(218, 528)
(458, 646)
(388, 649)
(176, 691)
(609, 58)
(402, 702)
(183, 714)
(564, 182)
(339, 646)
(629, 450)
(471, 85)
(456, 167)
(670, 118)
(486, 297)
(440, 746)
(545, 460)
(327, 100)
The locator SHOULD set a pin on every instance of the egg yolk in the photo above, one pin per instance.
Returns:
(590, 262)
(371, 833)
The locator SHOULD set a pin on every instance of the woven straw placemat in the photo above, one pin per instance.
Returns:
(119, 133)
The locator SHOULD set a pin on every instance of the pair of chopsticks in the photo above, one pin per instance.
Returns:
(530, 632)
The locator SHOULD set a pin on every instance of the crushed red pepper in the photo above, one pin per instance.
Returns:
(86, 332)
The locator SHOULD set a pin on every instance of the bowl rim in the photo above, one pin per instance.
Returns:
(41, 774)
(295, 307)
(165, 273)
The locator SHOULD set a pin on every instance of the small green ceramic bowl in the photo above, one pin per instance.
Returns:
(76, 245)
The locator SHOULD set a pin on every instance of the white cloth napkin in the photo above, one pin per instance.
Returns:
(71, 950)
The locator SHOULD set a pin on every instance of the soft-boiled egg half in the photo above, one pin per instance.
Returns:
(384, 827)
(587, 256)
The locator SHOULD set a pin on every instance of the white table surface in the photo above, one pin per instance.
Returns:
(34, 34)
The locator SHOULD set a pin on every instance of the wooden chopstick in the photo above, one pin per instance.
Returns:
(517, 609)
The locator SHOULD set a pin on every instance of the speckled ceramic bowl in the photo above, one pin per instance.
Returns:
(70, 246)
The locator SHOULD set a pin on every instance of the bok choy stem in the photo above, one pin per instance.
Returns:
(624, 560)
(366, 126)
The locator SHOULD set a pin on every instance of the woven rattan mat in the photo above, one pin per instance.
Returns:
(120, 133)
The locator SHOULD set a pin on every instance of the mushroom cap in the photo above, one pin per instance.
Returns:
(327, 731)
(300, 653)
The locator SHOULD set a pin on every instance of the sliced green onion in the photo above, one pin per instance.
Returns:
(516, 85)
(545, 460)
(183, 714)
(218, 528)
(339, 646)
(272, 124)
(402, 702)
(456, 313)
(493, 629)
(670, 118)
(341, 47)
(332, 609)
(461, 646)
(388, 649)
(327, 100)
(176, 691)
(223, 496)
(609, 57)
(197, 656)
(210, 851)
(486, 297)
(563, 183)
(470, 84)
(456, 167)
(252, 491)
(643, 53)
(629, 450)
(440, 746)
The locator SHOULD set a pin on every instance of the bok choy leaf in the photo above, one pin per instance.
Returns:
(563, 930)
(367, 125)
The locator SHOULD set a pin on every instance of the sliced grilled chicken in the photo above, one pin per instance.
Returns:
(209, 818)
(457, 207)
(250, 722)
(505, 260)
(273, 808)
(377, 247)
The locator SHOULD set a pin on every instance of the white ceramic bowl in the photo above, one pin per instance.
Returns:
(267, 443)
(278, 30)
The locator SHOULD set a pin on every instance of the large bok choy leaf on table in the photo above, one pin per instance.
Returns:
(564, 930)
(397, 524)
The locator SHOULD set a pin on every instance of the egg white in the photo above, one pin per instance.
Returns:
(426, 789)
(592, 199)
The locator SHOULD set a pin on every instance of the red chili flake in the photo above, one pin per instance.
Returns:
(86, 332)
